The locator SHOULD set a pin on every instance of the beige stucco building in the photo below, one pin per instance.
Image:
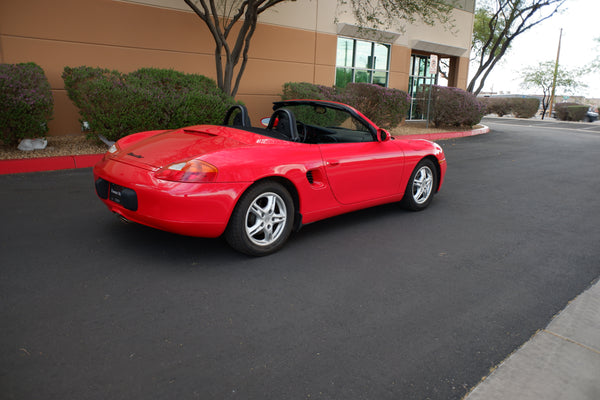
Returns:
(306, 40)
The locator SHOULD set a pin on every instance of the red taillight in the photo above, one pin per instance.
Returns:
(191, 171)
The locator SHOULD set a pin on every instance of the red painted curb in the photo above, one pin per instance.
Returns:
(89, 160)
(48, 163)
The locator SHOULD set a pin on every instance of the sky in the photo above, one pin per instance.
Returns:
(580, 21)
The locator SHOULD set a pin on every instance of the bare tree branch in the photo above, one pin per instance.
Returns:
(507, 20)
(231, 53)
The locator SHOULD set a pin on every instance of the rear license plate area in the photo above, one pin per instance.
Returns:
(123, 196)
(115, 193)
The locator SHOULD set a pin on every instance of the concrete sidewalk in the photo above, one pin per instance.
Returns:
(561, 361)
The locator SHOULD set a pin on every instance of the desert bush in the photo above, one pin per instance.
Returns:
(116, 104)
(26, 102)
(386, 107)
(497, 105)
(74, 78)
(306, 90)
(520, 107)
(571, 111)
(452, 107)
(310, 91)
(525, 107)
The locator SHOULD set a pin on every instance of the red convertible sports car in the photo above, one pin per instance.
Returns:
(315, 159)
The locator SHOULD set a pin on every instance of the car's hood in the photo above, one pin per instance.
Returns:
(166, 148)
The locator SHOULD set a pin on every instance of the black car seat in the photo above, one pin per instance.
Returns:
(283, 122)
(240, 116)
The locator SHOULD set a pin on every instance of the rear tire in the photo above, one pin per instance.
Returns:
(421, 186)
(262, 220)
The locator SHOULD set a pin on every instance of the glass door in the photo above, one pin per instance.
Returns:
(419, 78)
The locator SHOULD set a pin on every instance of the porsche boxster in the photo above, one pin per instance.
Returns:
(254, 185)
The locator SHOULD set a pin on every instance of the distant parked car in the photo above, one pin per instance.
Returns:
(591, 115)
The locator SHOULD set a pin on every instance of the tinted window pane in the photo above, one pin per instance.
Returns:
(363, 55)
(422, 66)
(345, 49)
(380, 78)
(343, 76)
(362, 76)
(381, 56)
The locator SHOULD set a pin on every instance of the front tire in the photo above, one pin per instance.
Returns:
(421, 186)
(262, 220)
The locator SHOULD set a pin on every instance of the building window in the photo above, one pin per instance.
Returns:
(419, 78)
(361, 61)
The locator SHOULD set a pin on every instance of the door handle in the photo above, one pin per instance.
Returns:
(332, 163)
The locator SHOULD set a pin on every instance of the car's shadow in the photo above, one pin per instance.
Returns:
(135, 240)
(130, 239)
(145, 238)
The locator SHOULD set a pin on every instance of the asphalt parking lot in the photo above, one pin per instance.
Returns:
(546, 124)
(377, 304)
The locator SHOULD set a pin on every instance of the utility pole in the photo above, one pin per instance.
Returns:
(555, 74)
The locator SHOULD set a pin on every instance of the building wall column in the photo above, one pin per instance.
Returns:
(399, 67)
(459, 72)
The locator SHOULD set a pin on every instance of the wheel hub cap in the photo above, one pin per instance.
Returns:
(265, 219)
(422, 185)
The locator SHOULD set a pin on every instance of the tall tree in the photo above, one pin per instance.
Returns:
(500, 22)
(482, 33)
(541, 77)
(232, 24)
(221, 16)
(595, 64)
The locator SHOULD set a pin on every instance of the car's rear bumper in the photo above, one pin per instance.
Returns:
(192, 209)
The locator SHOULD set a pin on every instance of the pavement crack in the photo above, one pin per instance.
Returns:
(572, 341)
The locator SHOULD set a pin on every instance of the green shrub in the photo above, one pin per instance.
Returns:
(453, 107)
(116, 104)
(306, 90)
(497, 105)
(571, 111)
(75, 78)
(384, 106)
(26, 102)
(525, 107)
(310, 91)
(520, 107)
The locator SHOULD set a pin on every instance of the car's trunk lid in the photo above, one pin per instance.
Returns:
(180, 145)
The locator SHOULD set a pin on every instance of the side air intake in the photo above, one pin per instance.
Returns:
(309, 176)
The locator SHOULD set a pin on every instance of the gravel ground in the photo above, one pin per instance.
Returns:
(78, 144)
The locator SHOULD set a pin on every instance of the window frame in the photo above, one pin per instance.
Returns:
(370, 69)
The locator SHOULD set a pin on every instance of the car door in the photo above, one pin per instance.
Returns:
(363, 171)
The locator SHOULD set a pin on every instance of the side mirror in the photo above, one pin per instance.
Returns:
(383, 135)
(265, 121)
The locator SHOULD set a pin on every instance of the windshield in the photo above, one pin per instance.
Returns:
(318, 123)
(326, 117)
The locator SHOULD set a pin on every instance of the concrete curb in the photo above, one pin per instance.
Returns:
(24, 165)
(447, 135)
